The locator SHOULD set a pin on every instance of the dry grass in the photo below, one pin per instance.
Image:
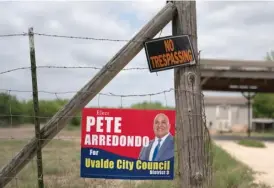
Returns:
(61, 163)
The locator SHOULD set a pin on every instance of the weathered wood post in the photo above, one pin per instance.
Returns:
(190, 128)
(36, 110)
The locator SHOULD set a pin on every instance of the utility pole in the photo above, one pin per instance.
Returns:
(192, 156)
(249, 96)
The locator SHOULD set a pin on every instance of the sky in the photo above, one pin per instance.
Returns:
(238, 30)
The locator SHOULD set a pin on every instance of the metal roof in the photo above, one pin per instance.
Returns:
(219, 100)
(237, 75)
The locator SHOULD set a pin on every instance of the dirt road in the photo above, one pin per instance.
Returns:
(259, 159)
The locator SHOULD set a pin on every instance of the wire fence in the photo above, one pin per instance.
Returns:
(69, 67)
(69, 37)
(61, 156)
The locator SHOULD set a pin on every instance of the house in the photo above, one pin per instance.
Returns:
(225, 113)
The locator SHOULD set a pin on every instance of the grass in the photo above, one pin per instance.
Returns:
(269, 134)
(251, 143)
(227, 173)
(61, 166)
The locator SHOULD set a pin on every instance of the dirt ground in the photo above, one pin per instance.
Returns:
(27, 132)
(258, 159)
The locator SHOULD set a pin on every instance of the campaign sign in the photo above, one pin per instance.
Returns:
(127, 144)
(168, 52)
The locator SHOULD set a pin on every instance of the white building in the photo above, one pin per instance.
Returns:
(226, 113)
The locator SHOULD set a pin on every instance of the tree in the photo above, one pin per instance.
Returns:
(270, 56)
(11, 110)
(150, 105)
(15, 112)
(22, 111)
(263, 105)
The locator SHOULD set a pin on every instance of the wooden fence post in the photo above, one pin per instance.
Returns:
(190, 128)
(36, 110)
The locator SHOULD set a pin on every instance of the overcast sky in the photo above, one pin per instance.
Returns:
(226, 30)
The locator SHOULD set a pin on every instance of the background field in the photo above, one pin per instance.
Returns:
(61, 162)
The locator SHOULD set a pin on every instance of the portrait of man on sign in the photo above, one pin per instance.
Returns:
(162, 146)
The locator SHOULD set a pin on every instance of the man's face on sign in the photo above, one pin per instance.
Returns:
(161, 125)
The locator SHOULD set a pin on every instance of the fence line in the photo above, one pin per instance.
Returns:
(70, 37)
(83, 38)
(106, 94)
(58, 154)
(70, 67)
(13, 35)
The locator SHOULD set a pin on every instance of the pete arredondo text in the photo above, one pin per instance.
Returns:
(171, 58)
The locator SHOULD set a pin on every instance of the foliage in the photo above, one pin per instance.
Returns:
(22, 111)
(263, 105)
(10, 105)
(270, 56)
(15, 112)
(251, 143)
(150, 105)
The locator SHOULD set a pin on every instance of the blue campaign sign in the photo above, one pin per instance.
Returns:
(127, 144)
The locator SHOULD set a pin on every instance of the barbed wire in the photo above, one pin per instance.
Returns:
(14, 35)
(104, 94)
(82, 38)
(13, 114)
(69, 67)
(70, 37)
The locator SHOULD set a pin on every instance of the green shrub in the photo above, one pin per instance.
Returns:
(251, 143)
